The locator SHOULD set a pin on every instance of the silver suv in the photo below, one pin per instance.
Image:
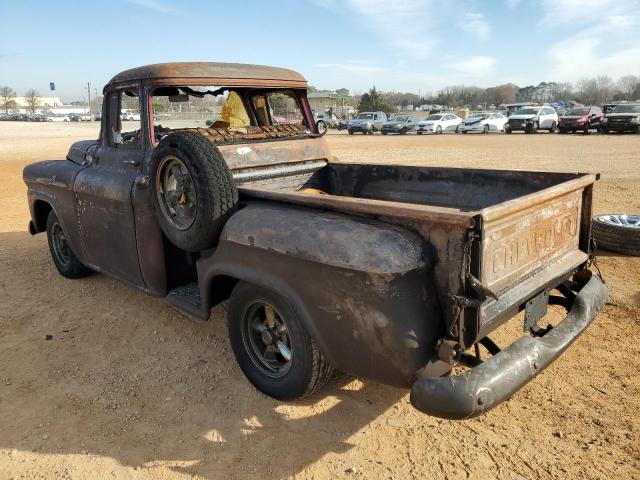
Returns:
(367, 122)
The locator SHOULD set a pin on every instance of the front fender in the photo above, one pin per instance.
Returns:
(362, 288)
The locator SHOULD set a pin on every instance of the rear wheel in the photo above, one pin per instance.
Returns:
(485, 129)
(271, 345)
(63, 257)
(438, 129)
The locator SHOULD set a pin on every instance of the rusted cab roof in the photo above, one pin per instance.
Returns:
(212, 73)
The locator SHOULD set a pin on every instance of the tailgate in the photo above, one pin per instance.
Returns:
(530, 242)
(524, 241)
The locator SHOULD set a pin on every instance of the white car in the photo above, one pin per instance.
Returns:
(483, 122)
(438, 123)
(532, 119)
(130, 116)
(58, 118)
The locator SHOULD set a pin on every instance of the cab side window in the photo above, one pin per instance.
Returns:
(124, 121)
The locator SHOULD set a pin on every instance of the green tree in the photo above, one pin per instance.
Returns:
(7, 95)
(32, 98)
(343, 92)
(372, 101)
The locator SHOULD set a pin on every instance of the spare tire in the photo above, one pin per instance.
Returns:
(618, 233)
(193, 190)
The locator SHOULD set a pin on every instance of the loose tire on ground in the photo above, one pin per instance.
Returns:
(193, 190)
(63, 257)
(616, 237)
(254, 340)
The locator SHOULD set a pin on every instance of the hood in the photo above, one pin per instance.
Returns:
(471, 121)
(393, 124)
(79, 150)
(621, 114)
(522, 117)
(573, 117)
(427, 122)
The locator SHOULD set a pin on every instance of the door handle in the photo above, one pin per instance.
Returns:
(133, 163)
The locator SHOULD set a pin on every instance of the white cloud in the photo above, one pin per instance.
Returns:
(476, 25)
(478, 66)
(152, 5)
(605, 43)
(403, 24)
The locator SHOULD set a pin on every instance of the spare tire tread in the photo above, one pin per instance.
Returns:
(615, 238)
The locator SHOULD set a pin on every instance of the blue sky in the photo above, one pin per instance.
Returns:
(402, 45)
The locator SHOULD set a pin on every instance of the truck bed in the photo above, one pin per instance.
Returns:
(515, 232)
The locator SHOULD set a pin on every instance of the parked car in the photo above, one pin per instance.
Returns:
(367, 122)
(386, 272)
(130, 116)
(532, 119)
(580, 119)
(400, 124)
(483, 122)
(438, 123)
(58, 117)
(75, 117)
(624, 118)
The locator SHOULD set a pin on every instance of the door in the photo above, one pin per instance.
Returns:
(103, 192)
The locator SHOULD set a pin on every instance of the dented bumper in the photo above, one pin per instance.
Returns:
(497, 379)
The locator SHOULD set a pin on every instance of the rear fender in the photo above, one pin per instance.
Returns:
(362, 288)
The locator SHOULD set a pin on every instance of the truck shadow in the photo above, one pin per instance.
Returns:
(93, 367)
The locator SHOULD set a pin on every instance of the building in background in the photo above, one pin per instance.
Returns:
(339, 107)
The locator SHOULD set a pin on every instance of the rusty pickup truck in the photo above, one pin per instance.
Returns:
(224, 190)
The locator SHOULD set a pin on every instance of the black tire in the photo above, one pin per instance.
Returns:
(553, 127)
(604, 130)
(563, 131)
(419, 133)
(305, 372)
(532, 129)
(350, 132)
(207, 178)
(321, 127)
(616, 238)
(63, 257)
(507, 128)
(485, 129)
(438, 130)
(383, 132)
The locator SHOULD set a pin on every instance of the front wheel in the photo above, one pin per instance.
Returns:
(553, 127)
(485, 129)
(321, 127)
(271, 345)
(438, 129)
(63, 257)
(507, 128)
(350, 132)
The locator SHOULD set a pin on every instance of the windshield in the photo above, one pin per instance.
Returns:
(364, 116)
(527, 111)
(434, 117)
(478, 116)
(627, 109)
(402, 118)
(581, 111)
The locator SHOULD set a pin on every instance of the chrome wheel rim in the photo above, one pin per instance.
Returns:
(61, 247)
(266, 339)
(625, 221)
(176, 193)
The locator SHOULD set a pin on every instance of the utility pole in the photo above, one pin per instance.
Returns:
(89, 98)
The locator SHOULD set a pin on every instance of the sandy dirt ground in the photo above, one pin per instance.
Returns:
(130, 388)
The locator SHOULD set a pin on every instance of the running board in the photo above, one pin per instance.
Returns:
(187, 298)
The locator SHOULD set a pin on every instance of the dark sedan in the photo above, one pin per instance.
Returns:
(400, 124)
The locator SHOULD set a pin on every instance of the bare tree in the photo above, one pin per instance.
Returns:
(628, 86)
(32, 98)
(7, 95)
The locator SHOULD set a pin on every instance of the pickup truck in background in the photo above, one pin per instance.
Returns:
(392, 273)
